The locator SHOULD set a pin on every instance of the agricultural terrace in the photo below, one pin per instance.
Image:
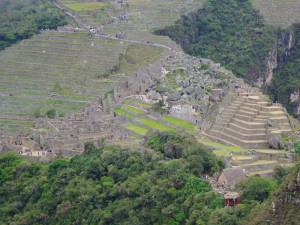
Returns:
(278, 12)
(61, 71)
(86, 6)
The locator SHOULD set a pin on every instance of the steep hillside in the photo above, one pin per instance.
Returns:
(230, 32)
(67, 68)
(279, 12)
(283, 207)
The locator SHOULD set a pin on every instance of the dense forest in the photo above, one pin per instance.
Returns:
(231, 32)
(109, 185)
(22, 19)
(159, 184)
(286, 78)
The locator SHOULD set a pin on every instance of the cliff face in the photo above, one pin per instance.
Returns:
(283, 84)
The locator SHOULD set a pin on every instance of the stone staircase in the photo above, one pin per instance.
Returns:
(249, 121)
(262, 162)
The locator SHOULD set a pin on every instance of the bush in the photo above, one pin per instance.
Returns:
(51, 113)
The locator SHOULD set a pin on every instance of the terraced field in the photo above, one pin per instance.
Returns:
(64, 70)
(279, 12)
(31, 70)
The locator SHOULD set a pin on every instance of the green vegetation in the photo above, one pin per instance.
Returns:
(121, 112)
(110, 186)
(137, 129)
(86, 6)
(257, 188)
(133, 109)
(231, 32)
(141, 104)
(286, 78)
(297, 147)
(158, 107)
(220, 149)
(22, 19)
(154, 124)
(138, 55)
(51, 113)
(182, 123)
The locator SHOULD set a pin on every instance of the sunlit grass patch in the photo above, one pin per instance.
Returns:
(155, 125)
(182, 123)
(137, 129)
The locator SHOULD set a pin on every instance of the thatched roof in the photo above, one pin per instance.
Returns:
(234, 174)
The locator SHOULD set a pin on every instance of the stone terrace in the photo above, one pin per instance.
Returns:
(249, 121)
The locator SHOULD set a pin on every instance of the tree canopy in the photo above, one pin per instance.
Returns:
(109, 186)
(22, 19)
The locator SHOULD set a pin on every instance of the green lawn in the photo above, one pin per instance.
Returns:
(121, 112)
(182, 123)
(155, 125)
(133, 109)
(86, 6)
(219, 148)
(141, 104)
(136, 129)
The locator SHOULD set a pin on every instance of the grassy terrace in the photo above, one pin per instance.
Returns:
(141, 104)
(279, 12)
(154, 124)
(133, 109)
(137, 129)
(121, 112)
(86, 6)
(181, 123)
(219, 148)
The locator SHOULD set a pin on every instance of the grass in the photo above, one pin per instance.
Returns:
(86, 6)
(137, 55)
(144, 105)
(121, 112)
(182, 123)
(155, 125)
(219, 148)
(137, 129)
(133, 109)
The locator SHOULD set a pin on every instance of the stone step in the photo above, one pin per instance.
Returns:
(248, 125)
(246, 113)
(269, 154)
(251, 105)
(272, 114)
(240, 160)
(237, 141)
(221, 120)
(272, 109)
(242, 117)
(245, 130)
(247, 109)
(260, 165)
(246, 137)
(263, 173)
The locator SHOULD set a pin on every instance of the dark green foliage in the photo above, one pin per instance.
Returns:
(257, 188)
(51, 113)
(228, 31)
(22, 19)
(297, 147)
(107, 186)
(158, 106)
(281, 173)
(174, 146)
(286, 78)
